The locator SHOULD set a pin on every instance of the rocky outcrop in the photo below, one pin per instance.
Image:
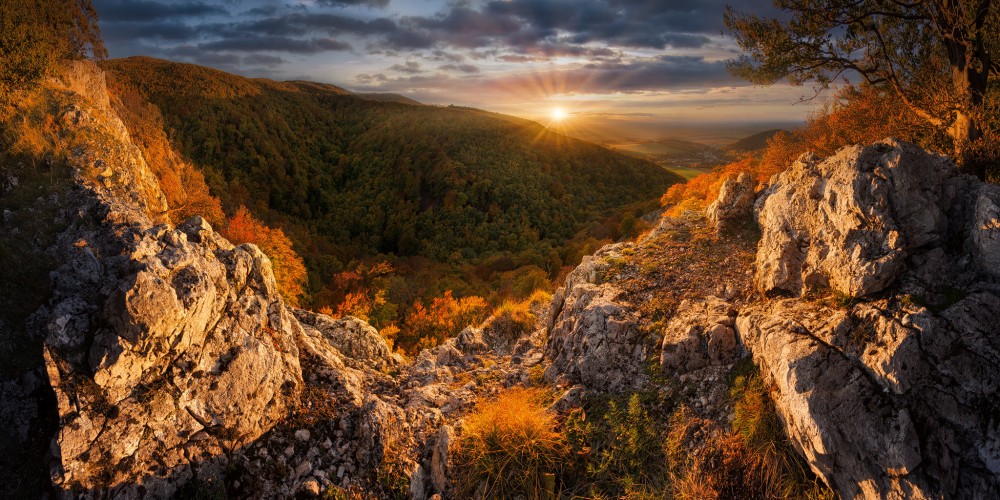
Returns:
(850, 221)
(886, 400)
(700, 334)
(594, 337)
(354, 338)
(187, 350)
(888, 397)
(734, 203)
(166, 347)
(984, 229)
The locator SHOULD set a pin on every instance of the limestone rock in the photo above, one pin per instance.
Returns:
(594, 338)
(352, 337)
(851, 221)
(190, 350)
(441, 459)
(984, 230)
(735, 201)
(700, 334)
(878, 398)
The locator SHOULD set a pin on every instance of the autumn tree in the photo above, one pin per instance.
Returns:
(36, 34)
(289, 272)
(936, 56)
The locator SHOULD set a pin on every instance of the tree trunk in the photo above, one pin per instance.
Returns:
(965, 132)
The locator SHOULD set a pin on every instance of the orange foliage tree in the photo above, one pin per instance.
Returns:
(182, 183)
(289, 272)
(446, 316)
(362, 293)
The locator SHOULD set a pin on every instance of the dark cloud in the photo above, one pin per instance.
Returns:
(462, 68)
(145, 10)
(605, 33)
(673, 73)
(125, 31)
(263, 60)
(346, 3)
(275, 44)
(411, 67)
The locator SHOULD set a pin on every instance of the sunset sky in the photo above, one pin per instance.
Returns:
(637, 66)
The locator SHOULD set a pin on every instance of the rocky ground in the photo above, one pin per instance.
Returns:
(865, 287)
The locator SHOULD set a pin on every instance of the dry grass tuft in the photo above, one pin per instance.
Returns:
(508, 446)
(513, 320)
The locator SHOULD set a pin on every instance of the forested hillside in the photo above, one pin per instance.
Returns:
(350, 179)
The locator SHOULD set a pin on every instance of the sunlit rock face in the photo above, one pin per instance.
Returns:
(734, 203)
(851, 221)
(165, 347)
(890, 394)
(886, 400)
(594, 338)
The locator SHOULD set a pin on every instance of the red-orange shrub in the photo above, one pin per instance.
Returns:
(446, 316)
(289, 271)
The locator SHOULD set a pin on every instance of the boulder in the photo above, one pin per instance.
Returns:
(734, 203)
(886, 400)
(850, 221)
(189, 352)
(352, 337)
(700, 334)
(594, 338)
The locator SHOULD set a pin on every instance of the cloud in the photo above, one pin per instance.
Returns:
(275, 44)
(664, 73)
(410, 67)
(146, 10)
(263, 60)
(346, 3)
(461, 68)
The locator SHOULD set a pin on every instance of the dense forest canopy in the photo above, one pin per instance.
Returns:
(388, 177)
(453, 199)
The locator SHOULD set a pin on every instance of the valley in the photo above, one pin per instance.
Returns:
(227, 277)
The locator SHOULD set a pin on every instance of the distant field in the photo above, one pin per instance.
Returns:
(685, 171)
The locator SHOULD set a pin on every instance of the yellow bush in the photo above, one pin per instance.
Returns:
(508, 446)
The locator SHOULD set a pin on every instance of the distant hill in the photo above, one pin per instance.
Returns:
(754, 142)
(354, 177)
(388, 98)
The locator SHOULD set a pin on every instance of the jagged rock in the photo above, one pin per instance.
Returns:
(734, 203)
(190, 351)
(164, 347)
(880, 399)
(352, 337)
(700, 334)
(570, 399)
(851, 221)
(985, 229)
(441, 459)
(593, 337)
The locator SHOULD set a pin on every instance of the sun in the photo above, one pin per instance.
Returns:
(558, 114)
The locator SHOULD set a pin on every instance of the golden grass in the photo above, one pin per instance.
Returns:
(508, 447)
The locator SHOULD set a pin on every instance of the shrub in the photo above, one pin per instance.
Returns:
(446, 316)
(289, 272)
(509, 322)
(621, 448)
(508, 447)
